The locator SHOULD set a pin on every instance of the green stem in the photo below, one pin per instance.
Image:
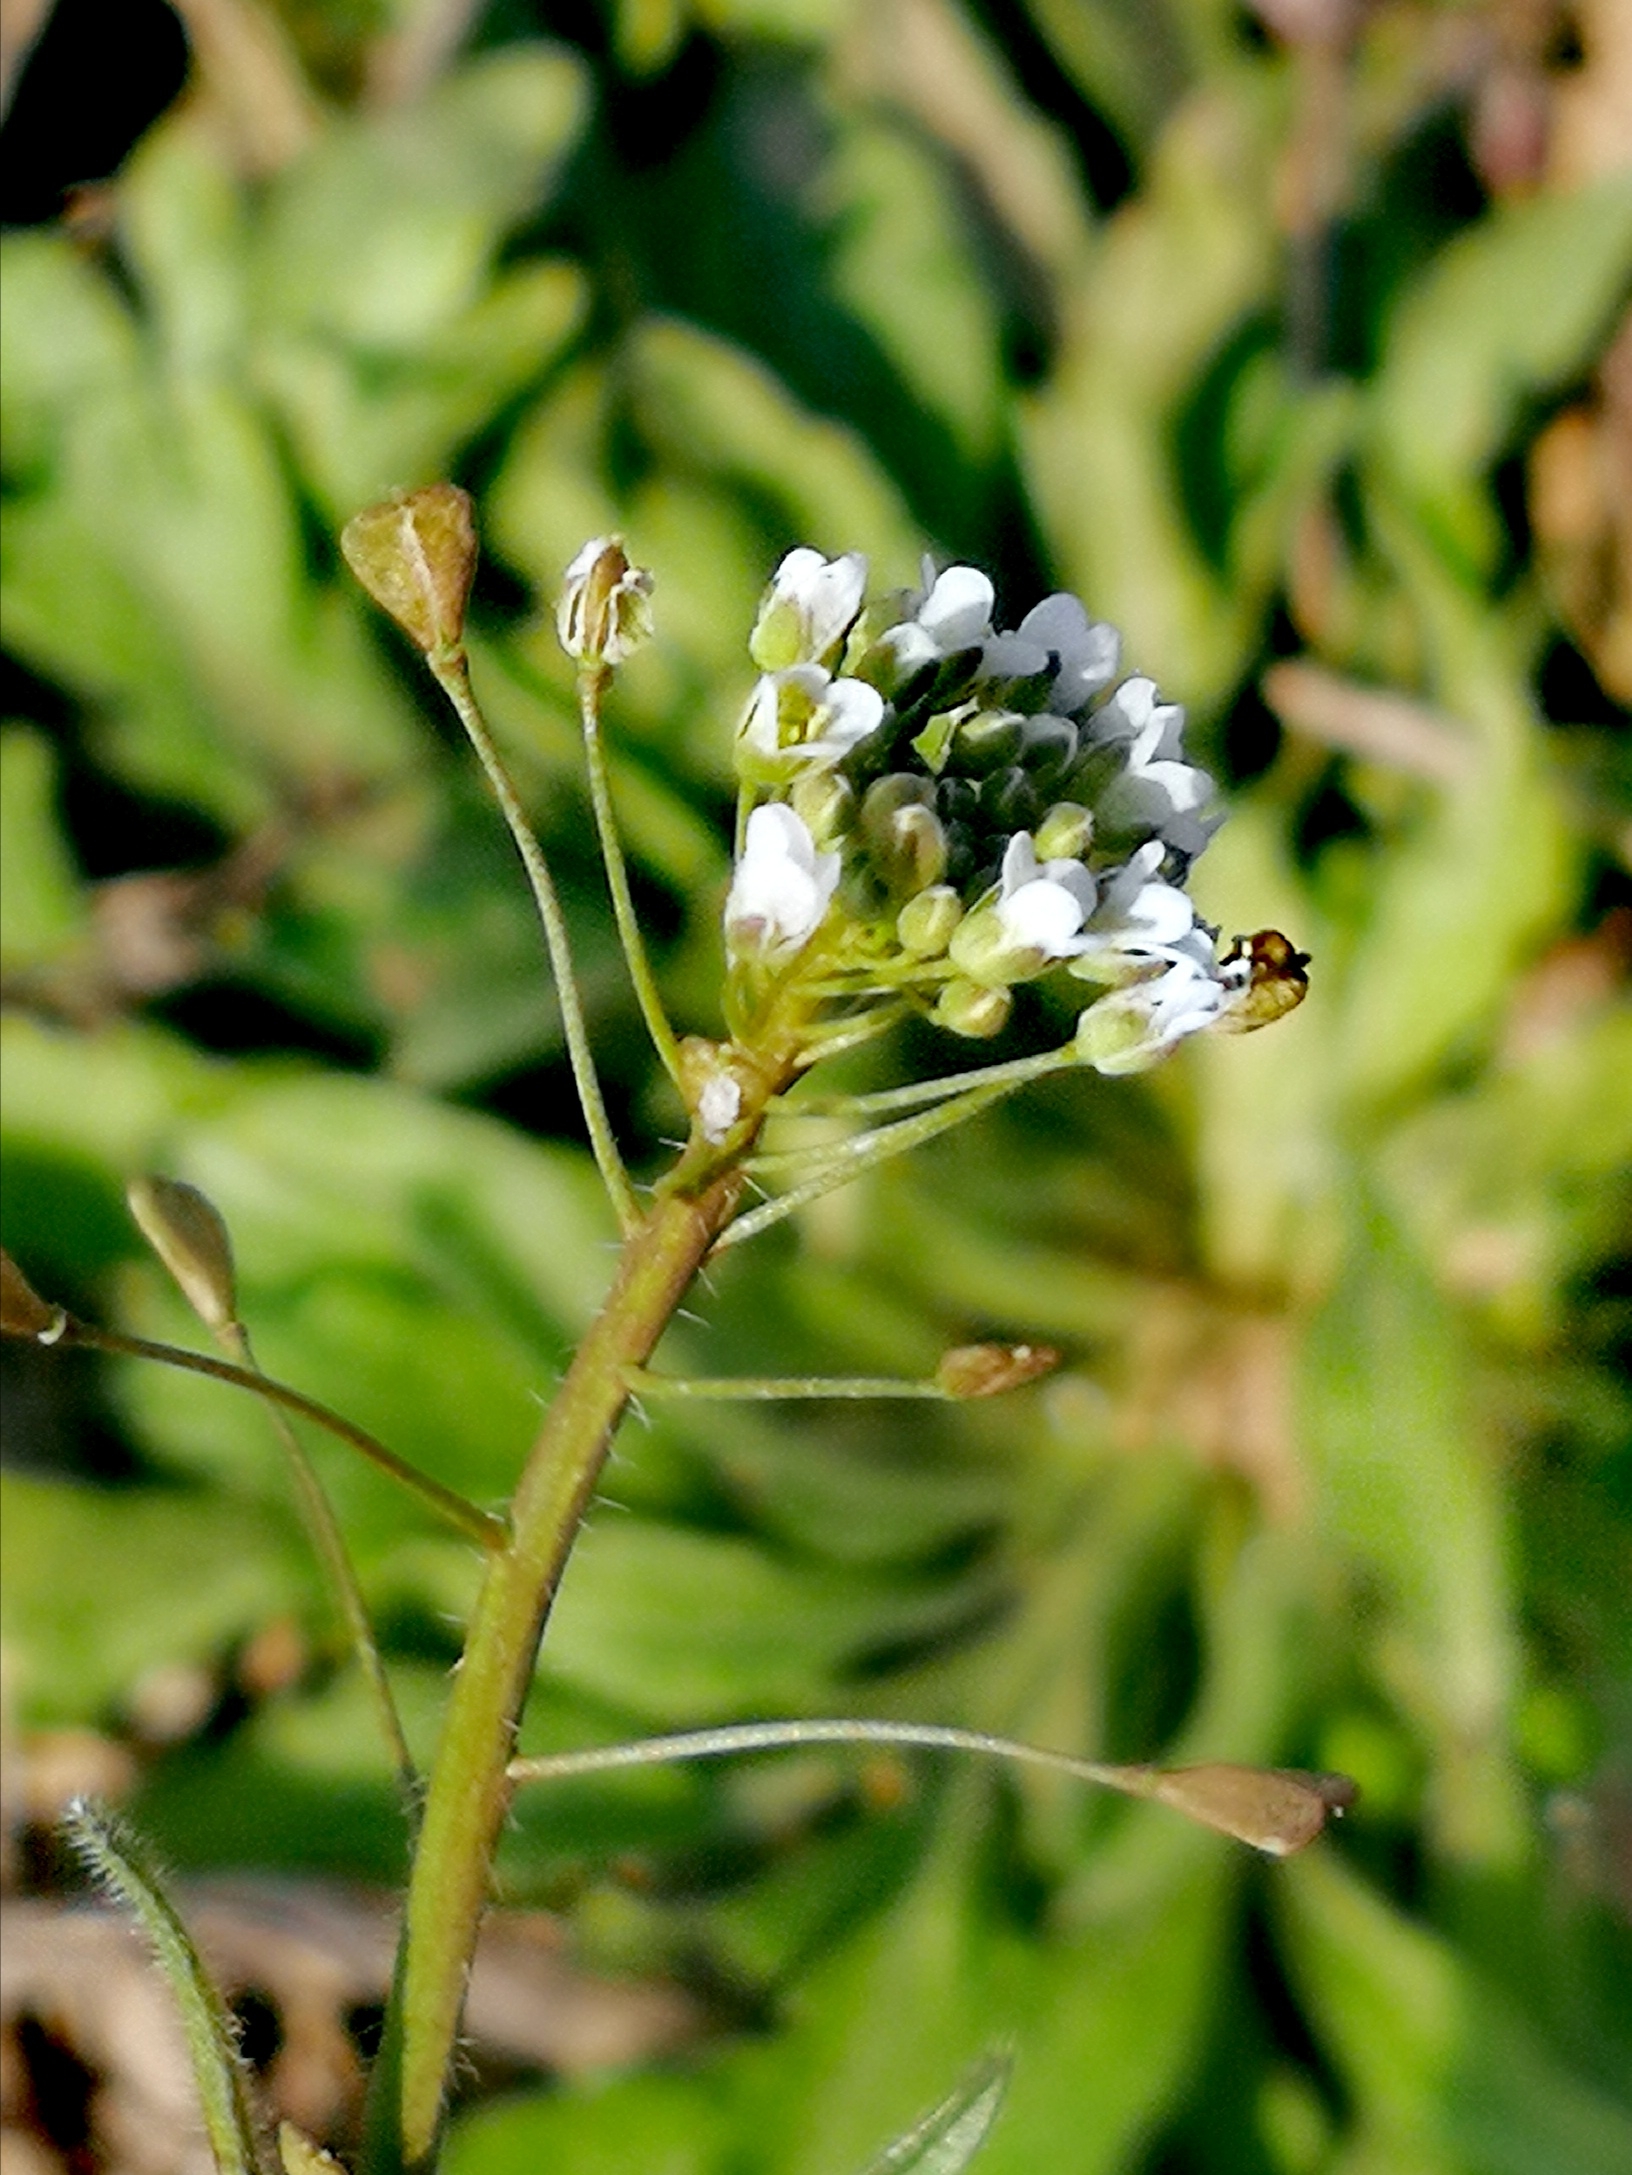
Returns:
(1275, 1810)
(593, 681)
(919, 1093)
(476, 1525)
(326, 1537)
(469, 1790)
(452, 675)
(732, 1737)
(759, 1388)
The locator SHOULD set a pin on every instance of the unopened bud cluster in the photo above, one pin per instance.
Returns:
(942, 810)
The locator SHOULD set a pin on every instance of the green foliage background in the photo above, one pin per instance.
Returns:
(1338, 1474)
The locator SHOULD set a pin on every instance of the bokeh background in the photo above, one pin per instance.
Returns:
(1292, 336)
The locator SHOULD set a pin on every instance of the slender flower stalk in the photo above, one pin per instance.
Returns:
(603, 615)
(453, 677)
(68, 1333)
(469, 1786)
(1277, 1810)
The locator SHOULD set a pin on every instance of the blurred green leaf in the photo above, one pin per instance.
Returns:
(760, 1634)
(42, 902)
(1508, 312)
(103, 1585)
(1445, 2072)
(1409, 1493)
(952, 2133)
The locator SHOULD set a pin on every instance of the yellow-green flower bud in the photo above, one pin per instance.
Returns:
(967, 1008)
(1065, 833)
(925, 924)
(987, 1370)
(990, 740)
(913, 855)
(185, 1230)
(826, 802)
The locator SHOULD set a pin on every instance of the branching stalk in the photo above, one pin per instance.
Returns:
(469, 1787)
(918, 1094)
(477, 1525)
(839, 1165)
(746, 1389)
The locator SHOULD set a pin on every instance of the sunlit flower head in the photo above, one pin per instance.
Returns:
(990, 805)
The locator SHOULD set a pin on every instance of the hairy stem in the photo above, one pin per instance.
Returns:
(469, 1788)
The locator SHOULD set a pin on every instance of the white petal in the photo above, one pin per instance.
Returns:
(958, 609)
(1073, 878)
(1012, 657)
(1042, 916)
(1019, 862)
(852, 710)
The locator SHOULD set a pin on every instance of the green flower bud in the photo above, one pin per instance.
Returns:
(987, 953)
(184, 1228)
(826, 803)
(966, 1008)
(886, 797)
(1009, 801)
(913, 855)
(925, 924)
(987, 1370)
(1065, 833)
(1050, 746)
(990, 740)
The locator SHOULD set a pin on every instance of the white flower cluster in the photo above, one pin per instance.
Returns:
(963, 808)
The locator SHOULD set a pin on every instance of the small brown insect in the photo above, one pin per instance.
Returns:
(1276, 982)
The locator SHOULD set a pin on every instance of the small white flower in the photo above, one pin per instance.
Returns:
(811, 607)
(1138, 922)
(1168, 800)
(1032, 918)
(1085, 651)
(1158, 792)
(802, 718)
(1138, 1024)
(1133, 718)
(781, 887)
(1043, 906)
